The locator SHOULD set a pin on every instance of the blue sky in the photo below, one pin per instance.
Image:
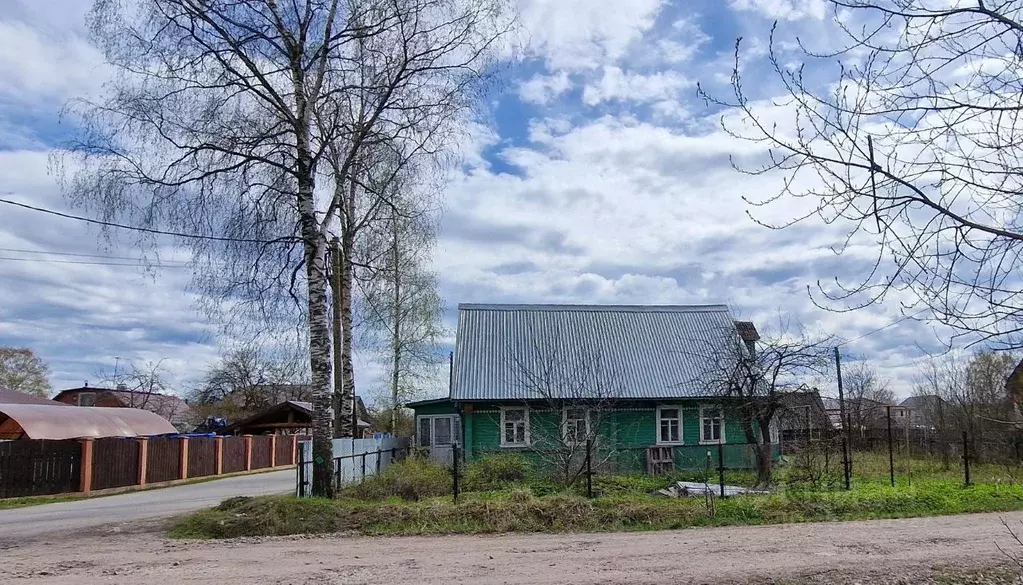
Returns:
(598, 176)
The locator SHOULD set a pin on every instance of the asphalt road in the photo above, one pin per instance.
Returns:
(33, 521)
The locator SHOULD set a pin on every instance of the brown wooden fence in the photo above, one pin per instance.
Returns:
(36, 468)
(115, 463)
(164, 460)
(284, 451)
(202, 457)
(234, 454)
(261, 449)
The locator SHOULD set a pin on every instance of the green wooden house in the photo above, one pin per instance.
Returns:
(631, 384)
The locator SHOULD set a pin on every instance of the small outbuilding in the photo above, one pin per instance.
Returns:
(288, 418)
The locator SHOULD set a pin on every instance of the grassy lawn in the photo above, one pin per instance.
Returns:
(504, 495)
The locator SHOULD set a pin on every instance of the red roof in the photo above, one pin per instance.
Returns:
(14, 397)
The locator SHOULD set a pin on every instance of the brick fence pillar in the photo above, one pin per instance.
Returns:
(183, 474)
(220, 455)
(143, 459)
(248, 452)
(85, 478)
(273, 450)
(294, 449)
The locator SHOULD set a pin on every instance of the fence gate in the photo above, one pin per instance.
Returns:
(36, 468)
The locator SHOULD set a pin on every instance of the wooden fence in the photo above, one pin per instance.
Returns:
(115, 463)
(35, 467)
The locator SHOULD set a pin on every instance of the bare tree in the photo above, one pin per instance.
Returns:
(752, 374)
(867, 396)
(22, 370)
(145, 386)
(220, 115)
(904, 129)
(248, 379)
(571, 393)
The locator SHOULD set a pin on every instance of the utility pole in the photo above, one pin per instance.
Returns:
(846, 464)
(335, 282)
(891, 451)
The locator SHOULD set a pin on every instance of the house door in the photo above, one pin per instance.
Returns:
(438, 434)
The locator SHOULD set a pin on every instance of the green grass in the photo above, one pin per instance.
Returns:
(412, 497)
(519, 510)
(11, 503)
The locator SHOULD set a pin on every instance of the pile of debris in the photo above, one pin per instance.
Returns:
(688, 489)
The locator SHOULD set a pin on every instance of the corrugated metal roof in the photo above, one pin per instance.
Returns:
(654, 351)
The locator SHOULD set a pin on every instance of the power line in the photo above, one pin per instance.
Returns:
(144, 229)
(883, 327)
(89, 263)
(73, 254)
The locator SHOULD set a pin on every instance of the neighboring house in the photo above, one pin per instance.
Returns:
(170, 407)
(15, 397)
(802, 416)
(288, 418)
(866, 414)
(635, 381)
(926, 412)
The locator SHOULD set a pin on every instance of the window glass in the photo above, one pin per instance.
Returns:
(424, 432)
(668, 425)
(442, 430)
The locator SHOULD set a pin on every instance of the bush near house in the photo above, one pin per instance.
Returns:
(505, 494)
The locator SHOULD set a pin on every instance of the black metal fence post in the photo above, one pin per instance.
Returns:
(721, 468)
(301, 470)
(380, 455)
(966, 457)
(589, 468)
(454, 471)
(891, 452)
(846, 464)
(362, 478)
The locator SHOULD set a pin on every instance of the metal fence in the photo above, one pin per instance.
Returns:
(353, 460)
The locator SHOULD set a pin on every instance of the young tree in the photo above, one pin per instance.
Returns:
(22, 370)
(403, 305)
(902, 128)
(572, 392)
(221, 113)
(866, 396)
(753, 373)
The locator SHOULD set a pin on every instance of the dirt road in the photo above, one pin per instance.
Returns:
(866, 552)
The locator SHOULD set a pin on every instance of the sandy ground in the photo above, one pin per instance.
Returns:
(865, 552)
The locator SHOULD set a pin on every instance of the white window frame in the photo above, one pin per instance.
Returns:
(525, 422)
(721, 413)
(775, 431)
(564, 425)
(681, 435)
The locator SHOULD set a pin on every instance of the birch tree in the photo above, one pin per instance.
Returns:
(403, 305)
(220, 115)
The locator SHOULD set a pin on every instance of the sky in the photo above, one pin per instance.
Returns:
(596, 175)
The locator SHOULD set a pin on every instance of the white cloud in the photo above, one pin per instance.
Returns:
(783, 9)
(582, 34)
(618, 85)
(542, 89)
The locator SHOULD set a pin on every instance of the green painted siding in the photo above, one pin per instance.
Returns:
(439, 408)
(623, 438)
